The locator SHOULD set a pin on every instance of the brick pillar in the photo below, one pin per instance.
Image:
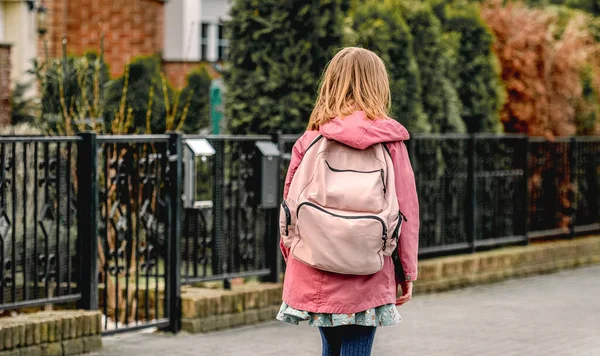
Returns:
(5, 91)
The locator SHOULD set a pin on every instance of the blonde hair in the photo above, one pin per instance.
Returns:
(355, 79)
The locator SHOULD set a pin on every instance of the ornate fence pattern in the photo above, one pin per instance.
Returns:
(227, 238)
(134, 228)
(38, 190)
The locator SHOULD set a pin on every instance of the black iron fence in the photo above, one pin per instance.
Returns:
(481, 191)
(227, 234)
(66, 202)
(472, 191)
(136, 206)
(37, 221)
(564, 186)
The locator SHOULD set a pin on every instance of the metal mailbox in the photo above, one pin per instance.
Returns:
(268, 170)
(193, 148)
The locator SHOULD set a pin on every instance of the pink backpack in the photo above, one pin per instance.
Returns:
(341, 214)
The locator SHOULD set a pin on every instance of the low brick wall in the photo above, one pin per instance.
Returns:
(54, 333)
(207, 310)
(441, 274)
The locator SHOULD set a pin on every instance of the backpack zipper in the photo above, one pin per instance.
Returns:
(350, 170)
(401, 217)
(384, 232)
(355, 171)
(288, 218)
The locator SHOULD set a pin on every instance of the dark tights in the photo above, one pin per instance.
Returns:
(351, 340)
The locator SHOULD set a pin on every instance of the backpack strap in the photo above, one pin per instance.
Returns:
(314, 142)
(386, 148)
(398, 269)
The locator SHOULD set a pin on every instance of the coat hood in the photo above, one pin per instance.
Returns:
(359, 132)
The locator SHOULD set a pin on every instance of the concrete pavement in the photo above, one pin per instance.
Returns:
(557, 314)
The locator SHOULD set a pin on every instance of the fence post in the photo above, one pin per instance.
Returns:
(87, 220)
(471, 201)
(526, 215)
(272, 240)
(173, 297)
(573, 180)
(218, 254)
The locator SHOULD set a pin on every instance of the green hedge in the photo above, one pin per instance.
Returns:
(82, 86)
(382, 29)
(278, 50)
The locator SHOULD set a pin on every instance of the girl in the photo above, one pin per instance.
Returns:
(352, 109)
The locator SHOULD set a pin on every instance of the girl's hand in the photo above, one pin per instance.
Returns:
(407, 288)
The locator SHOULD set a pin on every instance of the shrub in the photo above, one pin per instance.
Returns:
(23, 109)
(143, 97)
(381, 28)
(478, 81)
(277, 54)
(435, 57)
(542, 69)
(71, 91)
(141, 93)
(197, 89)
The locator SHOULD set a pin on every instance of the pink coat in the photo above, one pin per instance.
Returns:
(309, 289)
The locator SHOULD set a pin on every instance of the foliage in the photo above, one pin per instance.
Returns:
(76, 95)
(542, 69)
(435, 56)
(142, 94)
(197, 89)
(587, 120)
(380, 27)
(477, 69)
(71, 92)
(277, 54)
(21, 129)
(23, 109)
(591, 6)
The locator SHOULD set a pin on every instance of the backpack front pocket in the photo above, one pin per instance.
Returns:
(346, 244)
(348, 189)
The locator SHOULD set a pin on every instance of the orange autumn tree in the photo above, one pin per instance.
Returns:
(542, 63)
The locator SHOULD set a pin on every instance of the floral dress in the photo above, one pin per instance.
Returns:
(384, 315)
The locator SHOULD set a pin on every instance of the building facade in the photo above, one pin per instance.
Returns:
(194, 33)
(130, 28)
(183, 32)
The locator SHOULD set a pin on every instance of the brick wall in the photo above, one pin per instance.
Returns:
(54, 333)
(5, 91)
(131, 28)
(177, 71)
(57, 27)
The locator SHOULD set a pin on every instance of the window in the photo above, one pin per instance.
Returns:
(223, 45)
(204, 41)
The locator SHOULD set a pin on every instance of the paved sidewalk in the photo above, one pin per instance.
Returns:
(550, 315)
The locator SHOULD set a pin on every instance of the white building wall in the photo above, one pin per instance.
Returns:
(183, 28)
(191, 34)
(1, 22)
(173, 48)
(20, 31)
(213, 12)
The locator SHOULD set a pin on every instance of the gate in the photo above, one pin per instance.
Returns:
(133, 197)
